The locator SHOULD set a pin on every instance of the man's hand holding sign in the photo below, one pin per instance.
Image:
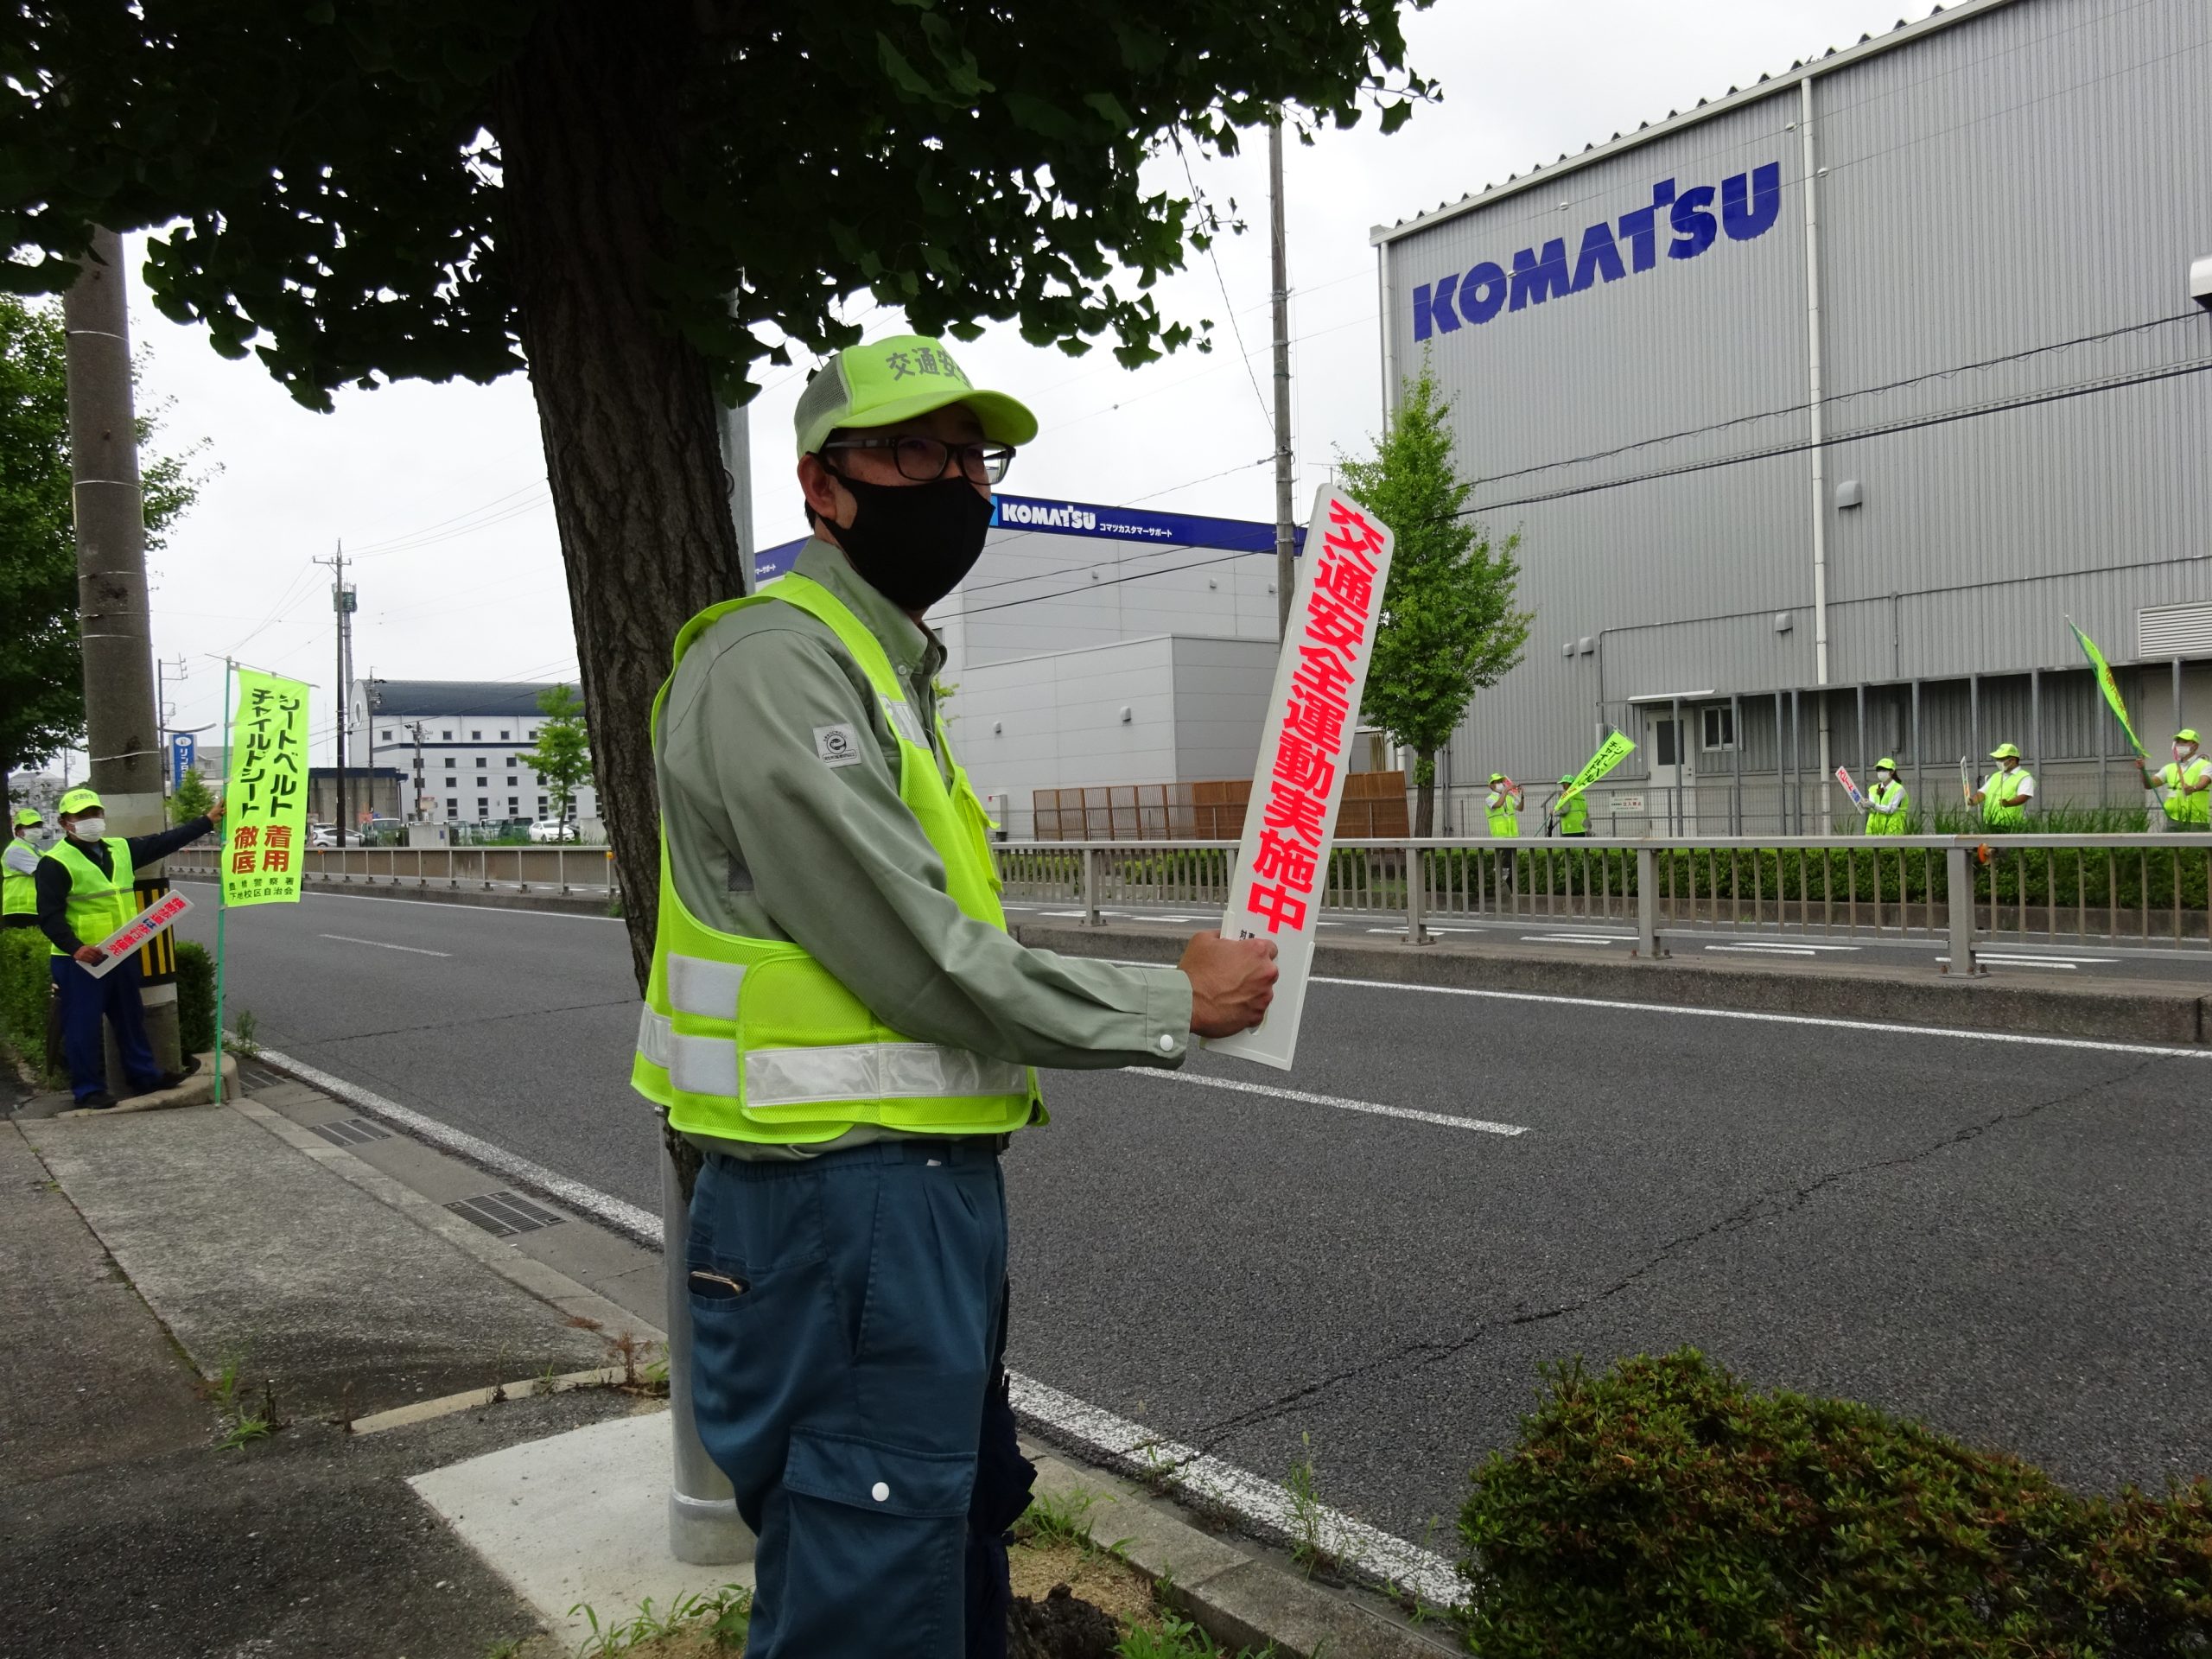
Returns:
(1282, 867)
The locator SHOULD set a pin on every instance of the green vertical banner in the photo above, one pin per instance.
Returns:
(1614, 750)
(2109, 686)
(266, 791)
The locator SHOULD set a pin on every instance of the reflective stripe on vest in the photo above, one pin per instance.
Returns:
(99, 904)
(746, 1038)
(2186, 809)
(1886, 805)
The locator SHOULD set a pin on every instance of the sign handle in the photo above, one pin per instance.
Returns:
(221, 911)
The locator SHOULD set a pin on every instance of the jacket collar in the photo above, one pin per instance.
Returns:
(916, 653)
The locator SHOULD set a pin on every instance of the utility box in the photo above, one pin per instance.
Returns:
(430, 835)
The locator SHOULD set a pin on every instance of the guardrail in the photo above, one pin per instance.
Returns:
(564, 869)
(2140, 892)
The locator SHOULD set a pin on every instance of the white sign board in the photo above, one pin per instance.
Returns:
(1282, 869)
(134, 933)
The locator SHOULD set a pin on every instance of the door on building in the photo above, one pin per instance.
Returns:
(1671, 798)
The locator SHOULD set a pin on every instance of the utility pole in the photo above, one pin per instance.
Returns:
(162, 712)
(342, 600)
(419, 815)
(1285, 539)
(123, 727)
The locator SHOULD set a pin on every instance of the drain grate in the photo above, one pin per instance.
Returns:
(352, 1132)
(259, 1076)
(503, 1214)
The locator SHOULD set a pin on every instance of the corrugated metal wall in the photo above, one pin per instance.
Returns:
(2039, 172)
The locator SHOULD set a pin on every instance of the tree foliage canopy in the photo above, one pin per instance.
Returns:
(1449, 625)
(563, 757)
(339, 170)
(42, 674)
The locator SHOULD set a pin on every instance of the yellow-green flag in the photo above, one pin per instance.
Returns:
(266, 791)
(1614, 750)
(2108, 685)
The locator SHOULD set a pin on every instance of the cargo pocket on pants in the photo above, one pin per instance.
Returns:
(877, 1547)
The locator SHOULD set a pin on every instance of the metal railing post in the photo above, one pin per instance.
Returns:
(1958, 878)
(704, 1528)
(1416, 901)
(1648, 943)
(1091, 916)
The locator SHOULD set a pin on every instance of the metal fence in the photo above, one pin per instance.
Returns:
(556, 869)
(2113, 891)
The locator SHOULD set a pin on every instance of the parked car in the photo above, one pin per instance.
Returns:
(322, 835)
(552, 830)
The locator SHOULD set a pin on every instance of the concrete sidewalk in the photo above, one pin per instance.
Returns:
(2133, 1011)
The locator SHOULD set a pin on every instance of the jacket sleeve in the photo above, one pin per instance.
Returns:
(841, 866)
(52, 886)
(144, 850)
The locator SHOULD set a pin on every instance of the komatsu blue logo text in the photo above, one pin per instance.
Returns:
(1748, 204)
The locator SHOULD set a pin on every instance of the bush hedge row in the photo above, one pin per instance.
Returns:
(1664, 1509)
(196, 998)
(26, 984)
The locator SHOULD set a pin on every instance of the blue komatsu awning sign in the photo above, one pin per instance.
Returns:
(1749, 203)
(1044, 516)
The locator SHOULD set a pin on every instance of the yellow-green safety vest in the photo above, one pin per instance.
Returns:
(1885, 809)
(2187, 808)
(1505, 816)
(746, 1038)
(98, 904)
(1574, 815)
(1998, 808)
(19, 892)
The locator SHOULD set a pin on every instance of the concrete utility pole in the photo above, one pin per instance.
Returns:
(341, 604)
(123, 727)
(1285, 538)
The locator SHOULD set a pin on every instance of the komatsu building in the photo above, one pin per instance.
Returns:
(1822, 407)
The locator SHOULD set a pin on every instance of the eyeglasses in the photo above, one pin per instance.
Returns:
(922, 459)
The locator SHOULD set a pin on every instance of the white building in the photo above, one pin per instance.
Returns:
(459, 743)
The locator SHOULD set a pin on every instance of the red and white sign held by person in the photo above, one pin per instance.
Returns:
(1282, 867)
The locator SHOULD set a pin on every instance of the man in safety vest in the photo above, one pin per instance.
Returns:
(838, 1019)
(19, 864)
(85, 892)
(1574, 811)
(2187, 779)
(2005, 794)
(1502, 808)
(1886, 803)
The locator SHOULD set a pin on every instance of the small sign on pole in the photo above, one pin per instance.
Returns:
(134, 933)
(183, 751)
(1282, 867)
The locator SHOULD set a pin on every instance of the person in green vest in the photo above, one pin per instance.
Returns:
(2187, 780)
(1574, 811)
(86, 890)
(1501, 806)
(18, 866)
(2005, 794)
(837, 1018)
(1886, 802)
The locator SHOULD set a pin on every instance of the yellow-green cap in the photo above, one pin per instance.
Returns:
(1497, 778)
(2005, 751)
(77, 800)
(29, 815)
(2187, 735)
(1568, 778)
(896, 380)
(1885, 765)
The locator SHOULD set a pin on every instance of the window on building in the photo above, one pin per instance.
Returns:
(531, 734)
(475, 737)
(1665, 750)
(446, 736)
(384, 736)
(483, 809)
(503, 737)
(511, 781)
(1719, 728)
(453, 809)
(451, 763)
(514, 805)
(543, 806)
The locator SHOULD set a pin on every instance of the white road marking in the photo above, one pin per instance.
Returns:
(1132, 1447)
(1341, 1105)
(1110, 1439)
(1577, 938)
(2018, 1037)
(1776, 944)
(416, 949)
(1769, 949)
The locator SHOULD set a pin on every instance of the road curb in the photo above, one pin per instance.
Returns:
(2142, 1012)
(1237, 1596)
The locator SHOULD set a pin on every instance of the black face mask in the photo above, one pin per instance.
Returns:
(913, 544)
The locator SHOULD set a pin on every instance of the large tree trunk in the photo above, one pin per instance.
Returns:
(1424, 793)
(624, 405)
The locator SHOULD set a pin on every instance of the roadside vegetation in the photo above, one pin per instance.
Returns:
(1664, 1509)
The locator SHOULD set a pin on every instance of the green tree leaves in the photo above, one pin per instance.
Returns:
(563, 757)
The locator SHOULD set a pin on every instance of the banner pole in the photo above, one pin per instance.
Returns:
(221, 914)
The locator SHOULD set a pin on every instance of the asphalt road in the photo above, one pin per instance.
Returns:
(2006, 1238)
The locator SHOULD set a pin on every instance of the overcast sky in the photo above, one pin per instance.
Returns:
(439, 491)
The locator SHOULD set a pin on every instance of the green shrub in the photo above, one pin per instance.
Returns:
(196, 998)
(26, 986)
(1663, 1508)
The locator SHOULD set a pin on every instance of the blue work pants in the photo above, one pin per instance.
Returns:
(849, 1332)
(84, 1001)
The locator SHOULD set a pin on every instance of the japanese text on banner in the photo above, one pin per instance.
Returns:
(266, 791)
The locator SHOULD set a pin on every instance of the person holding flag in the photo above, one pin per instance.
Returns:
(1502, 808)
(1886, 803)
(85, 885)
(1572, 813)
(2005, 794)
(2187, 779)
(19, 893)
